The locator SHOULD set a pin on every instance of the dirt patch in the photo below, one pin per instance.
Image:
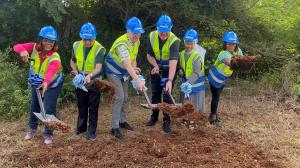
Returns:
(58, 126)
(176, 111)
(205, 147)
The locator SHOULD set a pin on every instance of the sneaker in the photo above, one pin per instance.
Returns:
(48, 139)
(30, 134)
(91, 137)
(116, 132)
(215, 120)
(151, 122)
(166, 127)
(126, 126)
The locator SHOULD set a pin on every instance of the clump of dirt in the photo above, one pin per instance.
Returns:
(58, 126)
(176, 111)
(243, 63)
(205, 147)
(104, 86)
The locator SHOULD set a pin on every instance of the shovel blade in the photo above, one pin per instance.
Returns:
(153, 106)
(49, 117)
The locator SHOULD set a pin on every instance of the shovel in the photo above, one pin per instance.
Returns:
(42, 115)
(151, 106)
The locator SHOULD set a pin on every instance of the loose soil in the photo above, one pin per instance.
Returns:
(256, 133)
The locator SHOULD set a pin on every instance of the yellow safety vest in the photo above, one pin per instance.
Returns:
(41, 69)
(188, 66)
(163, 54)
(223, 68)
(88, 64)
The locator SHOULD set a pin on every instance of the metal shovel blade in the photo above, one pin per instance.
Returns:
(49, 117)
(42, 115)
(153, 106)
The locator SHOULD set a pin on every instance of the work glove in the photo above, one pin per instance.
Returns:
(186, 88)
(78, 82)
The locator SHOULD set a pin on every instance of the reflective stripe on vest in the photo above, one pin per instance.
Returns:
(162, 56)
(113, 64)
(86, 65)
(188, 68)
(41, 69)
(219, 72)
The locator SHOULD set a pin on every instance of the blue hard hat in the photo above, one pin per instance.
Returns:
(230, 37)
(88, 31)
(48, 32)
(190, 35)
(135, 26)
(164, 24)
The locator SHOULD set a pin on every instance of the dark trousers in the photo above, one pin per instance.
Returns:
(215, 93)
(88, 104)
(50, 102)
(157, 91)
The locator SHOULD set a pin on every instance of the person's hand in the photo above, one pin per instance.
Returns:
(74, 72)
(140, 85)
(137, 70)
(43, 88)
(168, 86)
(24, 55)
(87, 79)
(155, 70)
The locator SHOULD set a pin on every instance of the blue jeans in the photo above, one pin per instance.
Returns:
(50, 101)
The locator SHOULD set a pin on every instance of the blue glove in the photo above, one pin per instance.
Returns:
(34, 80)
(133, 82)
(186, 88)
(78, 81)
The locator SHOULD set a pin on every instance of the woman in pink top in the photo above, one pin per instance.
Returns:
(45, 62)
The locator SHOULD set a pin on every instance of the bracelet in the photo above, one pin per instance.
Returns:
(171, 80)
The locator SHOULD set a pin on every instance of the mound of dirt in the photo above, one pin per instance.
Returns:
(58, 126)
(104, 86)
(176, 111)
(205, 147)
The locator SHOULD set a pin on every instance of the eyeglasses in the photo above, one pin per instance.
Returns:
(89, 40)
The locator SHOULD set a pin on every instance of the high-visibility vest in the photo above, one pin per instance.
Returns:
(86, 65)
(220, 72)
(187, 66)
(162, 56)
(41, 68)
(113, 64)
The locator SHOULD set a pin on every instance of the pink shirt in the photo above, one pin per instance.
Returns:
(53, 66)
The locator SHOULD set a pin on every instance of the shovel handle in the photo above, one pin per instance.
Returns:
(147, 97)
(43, 112)
(172, 98)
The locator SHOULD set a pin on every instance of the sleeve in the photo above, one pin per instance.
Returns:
(240, 52)
(53, 67)
(100, 57)
(150, 49)
(73, 56)
(123, 52)
(224, 55)
(174, 50)
(18, 48)
(197, 68)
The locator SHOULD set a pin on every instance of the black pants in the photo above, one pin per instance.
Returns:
(157, 91)
(88, 104)
(215, 93)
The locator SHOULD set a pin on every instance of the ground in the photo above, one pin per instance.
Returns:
(257, 132)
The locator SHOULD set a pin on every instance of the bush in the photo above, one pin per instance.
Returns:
(14, 92)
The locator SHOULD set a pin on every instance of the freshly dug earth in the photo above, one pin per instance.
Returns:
(58, 126)
(104, 86)
(243, 63)
(176, 111)
(203, 147)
